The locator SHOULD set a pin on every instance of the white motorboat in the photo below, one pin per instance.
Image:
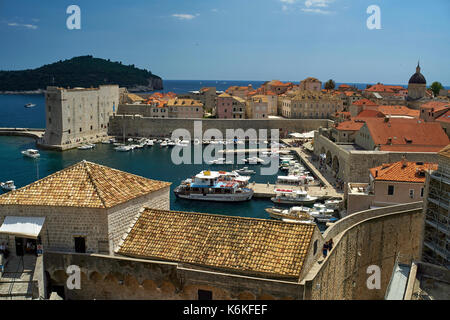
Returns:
(31, 153)
(288, 196)
(245, 170)
(164, 144)
(123, 148)
(30, 105)
(209, 186)
(8, 185)
(150, 142)
(130, 140)
(333, 204)
(86, 147)
(106, 142)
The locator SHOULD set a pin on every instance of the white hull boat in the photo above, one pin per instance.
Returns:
(8, 185)
(31, 153)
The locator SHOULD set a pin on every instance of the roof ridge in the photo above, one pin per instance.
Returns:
(88, 171)
(28, 186)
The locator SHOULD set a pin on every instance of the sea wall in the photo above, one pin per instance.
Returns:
(376, 241)
(138, 126)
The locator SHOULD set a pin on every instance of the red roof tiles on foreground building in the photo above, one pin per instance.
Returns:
(402, 171)
(407, 135)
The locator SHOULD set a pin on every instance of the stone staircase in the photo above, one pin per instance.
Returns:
(16, 282)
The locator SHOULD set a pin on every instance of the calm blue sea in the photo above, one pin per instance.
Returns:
(153, 162)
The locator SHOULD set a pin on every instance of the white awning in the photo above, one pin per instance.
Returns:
(27, 227)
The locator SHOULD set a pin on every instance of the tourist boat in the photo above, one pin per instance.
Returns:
(206, 186)
(288, 180)
(333, 204)
(31, 153)
(295, 213)
(86, 147)
(234, 176)
(123, 148)
(245, 170)
(287, 196)
(30, 105)
(8, 185)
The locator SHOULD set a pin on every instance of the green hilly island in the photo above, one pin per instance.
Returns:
(83, 71)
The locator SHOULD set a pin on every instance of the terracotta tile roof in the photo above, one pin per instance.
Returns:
(407, 134)
(445, 117)
(224, 95)
(364, 102)
(235, 243)
(384, 88)
(349, 126)
(402, 171)
(436, 105)
(369, 114)
(84, 184)
(399, 111)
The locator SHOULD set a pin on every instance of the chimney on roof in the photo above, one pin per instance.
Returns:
(404, 163)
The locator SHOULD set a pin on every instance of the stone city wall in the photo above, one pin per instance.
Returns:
(108, 277)
(375, 241)
(138, 126)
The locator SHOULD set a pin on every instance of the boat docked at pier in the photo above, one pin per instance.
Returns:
(288, 196)
(299, 214)
(214, 186)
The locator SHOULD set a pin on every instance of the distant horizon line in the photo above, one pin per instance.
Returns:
(297, 82)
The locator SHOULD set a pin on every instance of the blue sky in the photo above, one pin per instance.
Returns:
(236, 39)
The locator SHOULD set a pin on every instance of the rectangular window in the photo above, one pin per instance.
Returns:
(390, 190)
(80, 244)
(421, 192)
(411, 193)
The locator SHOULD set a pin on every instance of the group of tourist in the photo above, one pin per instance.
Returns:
(327, 246)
